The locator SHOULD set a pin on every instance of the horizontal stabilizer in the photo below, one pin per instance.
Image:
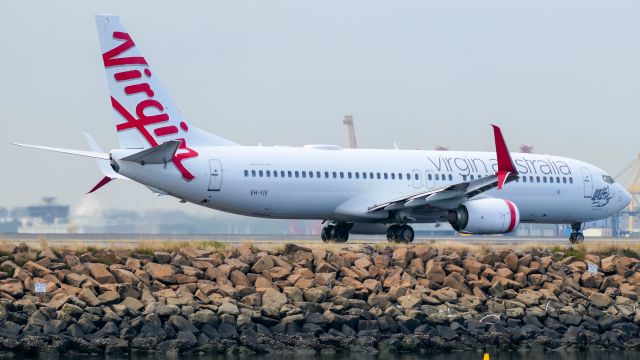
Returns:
(161, 154)
(91, 154)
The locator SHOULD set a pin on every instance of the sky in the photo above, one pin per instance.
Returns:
(563, 77)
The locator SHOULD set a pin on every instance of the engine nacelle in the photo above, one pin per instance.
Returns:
(485, 216)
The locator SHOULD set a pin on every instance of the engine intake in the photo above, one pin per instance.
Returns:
(485, 216)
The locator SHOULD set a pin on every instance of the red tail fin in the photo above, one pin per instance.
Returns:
(505, 163)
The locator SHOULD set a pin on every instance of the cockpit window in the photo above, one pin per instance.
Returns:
(608, 179)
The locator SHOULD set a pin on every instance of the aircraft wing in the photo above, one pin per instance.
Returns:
(451, 196)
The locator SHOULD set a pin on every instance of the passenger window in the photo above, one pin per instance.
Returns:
(268, 173)
(349, 174)
(281, 173)
(318, 175)
(253, 173)
(415, 176)
(558, 179)
(335, 175)
(551, 179)
(393, 176)
(570, 180)
(408, 176)
(450, 177)
(260, 173)
(386, 176)
(524, 179)
(246, 173)
(471, 177)
(311, 174)
(437, 176)
(326, 175)
(275, 173)
(544, 179)
(564, 180)
(537, 179)
(430, 177)
(297, 173)
(378, 176)
(289, 173)
(371, 176)
(357, 175)
(531, 179)
(364, 175)
(399, 176)
(341, 175)
(304, 174)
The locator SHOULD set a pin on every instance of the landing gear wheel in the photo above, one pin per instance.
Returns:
(406, 234)
(325, 234)
(392, 233)
(335, 233)
(576, 236)
(341, 234)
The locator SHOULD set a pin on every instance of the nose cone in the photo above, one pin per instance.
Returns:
(625, 197)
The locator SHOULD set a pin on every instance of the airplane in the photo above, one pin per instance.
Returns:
(350, 190)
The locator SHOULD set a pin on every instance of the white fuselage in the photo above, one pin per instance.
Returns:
(327, 182)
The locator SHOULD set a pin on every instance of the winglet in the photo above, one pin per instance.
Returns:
(505, 164)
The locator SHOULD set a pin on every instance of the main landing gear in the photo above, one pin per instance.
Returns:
(576, 236)
(400, 234)
(337, 233)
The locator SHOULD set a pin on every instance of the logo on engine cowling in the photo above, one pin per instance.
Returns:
(601, 197)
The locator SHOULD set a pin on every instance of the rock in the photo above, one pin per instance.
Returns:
(456, 281)
(36, 269)
(12, 287)
(402, 256)
(264, 263)
(228, 308)
(238, 278)
(435, 272)
(164, 273)
(314, 295)
(600, 300)
(108, 297)
(445, 295)
(409, 301)
(497, 290)
(274, 298)
(126, 277)
(162, 257)
(101, 273)
(294, 294)
(608, 264)
(473, 266)
(511, 261)
(88, 296)
(58, 300)
(133, 305)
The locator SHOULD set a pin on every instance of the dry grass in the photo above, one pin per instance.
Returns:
(602, 247)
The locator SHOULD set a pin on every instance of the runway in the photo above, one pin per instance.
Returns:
(126, 240)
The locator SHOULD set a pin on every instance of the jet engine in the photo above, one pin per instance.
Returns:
(485, 216)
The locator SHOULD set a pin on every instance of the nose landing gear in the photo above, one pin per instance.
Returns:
(400, 234)
(576, 236)
(337, 233)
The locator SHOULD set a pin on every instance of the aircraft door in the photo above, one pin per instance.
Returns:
(587, 182)
(417, 179)
(215, 181)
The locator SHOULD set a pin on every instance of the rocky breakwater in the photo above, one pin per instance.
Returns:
(358, 299)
